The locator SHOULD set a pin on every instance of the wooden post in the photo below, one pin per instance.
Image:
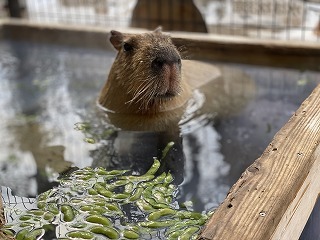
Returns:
(275, 195)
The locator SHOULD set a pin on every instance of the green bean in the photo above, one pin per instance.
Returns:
(101, 190)
(25, 217)
(168, 179)
(48, 216)
(174, 235)
(79, 225)
(155, 204)
(138, 178)
(35, 234)
(154, 167)
(44, 196)
(41, 204)
(160, 224)
(186, 235)
(119, 183)
(53, 208)
(137, 194)
(120, 195)
(166, 149)
(109, 232)
(99, 219)
(160, 213)
(7, 232)
(68, 214)
(128, 188)
(36, 212)
(143, 205)
(21, 234)
(160, 178)
(189, 215)
(80, 234)
(112, 207)
(130, 234)
(91, 191)
(97, 209)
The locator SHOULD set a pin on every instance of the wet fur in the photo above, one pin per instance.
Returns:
(133, 86)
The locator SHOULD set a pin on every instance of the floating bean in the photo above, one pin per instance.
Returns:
(174, 235)
(97, 209)
(99, 219)
(189, 215)
(128, 188)
(112, 207)
(35, 234)
(51, 207)
(168, 179)
(68, 214)
(117, 172)
(7, 232)
(120, 196)
(119, 183)
(79, 225)
(25, 217)
(186, 235)
(160, 213)
(106, 231)
(154, 167)
(101, 190)
(44, 196)
(80, 234)
(41, 204)
(137, 194)
(130, 234)
(155, 204)
(160, 178)
(36, 212)
(91, 191)
(138, 178)
(160, 224)
(21, 234)
(166, 149)
(143, 205)
(48, 216)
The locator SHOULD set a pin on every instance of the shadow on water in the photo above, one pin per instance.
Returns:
(45, 90)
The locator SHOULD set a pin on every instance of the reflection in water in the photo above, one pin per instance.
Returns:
(45, 90)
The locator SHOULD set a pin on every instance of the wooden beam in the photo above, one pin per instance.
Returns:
(275, 195)
(290, 54)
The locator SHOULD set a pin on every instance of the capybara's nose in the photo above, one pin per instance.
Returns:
(159, 62)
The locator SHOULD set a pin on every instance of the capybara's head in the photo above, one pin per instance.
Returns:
(147, 70)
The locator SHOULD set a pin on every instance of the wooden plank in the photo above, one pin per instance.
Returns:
(291, 54)
(274, 196)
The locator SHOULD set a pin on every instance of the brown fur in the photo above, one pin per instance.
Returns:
(135, 85)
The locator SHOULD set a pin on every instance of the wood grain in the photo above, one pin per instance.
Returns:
(274, 196)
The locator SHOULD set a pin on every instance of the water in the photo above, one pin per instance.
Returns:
(50, 122)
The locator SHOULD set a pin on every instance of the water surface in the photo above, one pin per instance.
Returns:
(50, 122)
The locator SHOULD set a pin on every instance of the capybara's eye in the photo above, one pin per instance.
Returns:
(127, 47)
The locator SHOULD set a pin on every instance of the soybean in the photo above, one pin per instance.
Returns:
(99, 219)
(130, 234)
(34, 234)
(68, 214)
(106, 231)
(188, 233)
(160, 213)
(80, 234)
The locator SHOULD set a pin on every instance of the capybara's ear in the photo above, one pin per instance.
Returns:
(158, 30)
(116, 39)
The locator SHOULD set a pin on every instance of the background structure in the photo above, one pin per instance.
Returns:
(267, 19)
